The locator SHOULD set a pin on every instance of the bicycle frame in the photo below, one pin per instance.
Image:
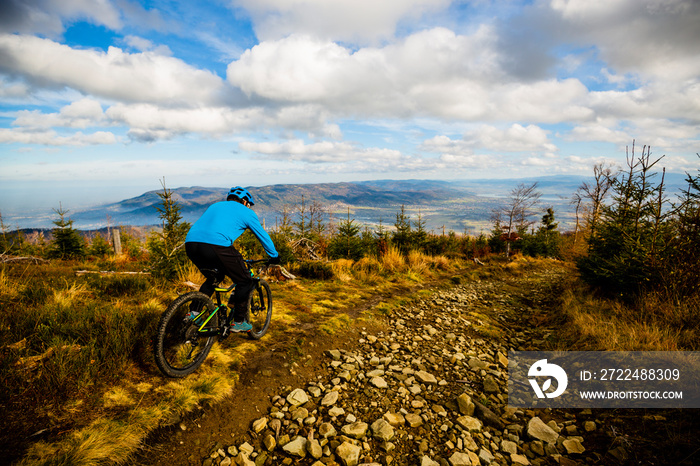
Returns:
(218, 291)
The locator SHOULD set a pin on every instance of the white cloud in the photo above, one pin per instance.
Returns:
(47, 16)
(433, 73)
(10, 89)
(656, 37)
(146, 77)
(516, 138)
(149, 122)
(52, 138)
(456, 162)
(79, 114)
(343, 20)
(321, 152)
(599, 132)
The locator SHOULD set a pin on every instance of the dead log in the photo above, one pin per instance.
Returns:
(5, 259)
(109, 272)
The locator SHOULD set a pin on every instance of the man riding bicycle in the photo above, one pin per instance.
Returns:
(209, 245)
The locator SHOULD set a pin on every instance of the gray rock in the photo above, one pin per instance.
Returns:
(330, 398)
(382, 430)
(379, 382)
(460, 459)
(539, 430)
(297, 397)
(348, 454)
(314, 448)
(573, 446)
(355, 430)
(426, 377)
(327, 430)
(296, 447)
(469, 423)
(465, 404)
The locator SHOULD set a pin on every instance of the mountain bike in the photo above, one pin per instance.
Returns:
(192, 323)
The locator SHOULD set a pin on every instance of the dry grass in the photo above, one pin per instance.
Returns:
(594, 323)
(117, 396)
(128, 310)
(393, 260)
(368, 270)
(71, 296)
(190, 273)
(9, 288)
(342, 269)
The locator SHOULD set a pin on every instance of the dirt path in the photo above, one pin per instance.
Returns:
(477, 319)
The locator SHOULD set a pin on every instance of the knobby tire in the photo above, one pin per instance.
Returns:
(259, 310)
(179, 349)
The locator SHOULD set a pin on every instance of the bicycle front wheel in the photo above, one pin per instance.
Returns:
(180, 346)
(259, 310)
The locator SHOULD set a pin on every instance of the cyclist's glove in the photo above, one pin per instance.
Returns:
(274, 260)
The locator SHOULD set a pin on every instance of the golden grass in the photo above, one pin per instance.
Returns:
(594, 323)
(9, 288)
(393, 260)
(117, 396)
(190, 273)
(71, 296)
(153, 305)
(418, 262)
(342, 269)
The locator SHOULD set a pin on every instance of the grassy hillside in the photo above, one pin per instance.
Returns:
(80, 384)
(77, 366)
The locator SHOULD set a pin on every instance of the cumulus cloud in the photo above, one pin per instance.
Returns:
(47, 16)
(359, 21)
(79, 114)
(52, 138)
(321, 152)
(434, 73)
(657, 37)
(145, 77)
(516, 138)
(150, 122)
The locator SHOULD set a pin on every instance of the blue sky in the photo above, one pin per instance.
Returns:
(100, 100)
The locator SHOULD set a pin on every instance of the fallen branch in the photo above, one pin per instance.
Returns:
(4, 258)
(109, 272)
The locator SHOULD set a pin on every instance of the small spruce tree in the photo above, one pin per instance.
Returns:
(166, 248)
(67, 242)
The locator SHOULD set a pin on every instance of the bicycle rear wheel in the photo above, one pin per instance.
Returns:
(180, 347)
(259, 310)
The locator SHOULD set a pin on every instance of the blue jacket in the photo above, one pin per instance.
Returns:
(222, 223)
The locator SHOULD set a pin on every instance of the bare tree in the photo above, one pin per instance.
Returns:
(595, 194)
(517, 214)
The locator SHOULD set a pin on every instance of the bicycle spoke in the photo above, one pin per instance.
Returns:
(181, 348)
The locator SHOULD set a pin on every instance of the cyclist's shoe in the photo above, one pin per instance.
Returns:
(241, 327)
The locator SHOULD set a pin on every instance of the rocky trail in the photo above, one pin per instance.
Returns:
(425, 386)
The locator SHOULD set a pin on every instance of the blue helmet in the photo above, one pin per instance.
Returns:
(241, 193)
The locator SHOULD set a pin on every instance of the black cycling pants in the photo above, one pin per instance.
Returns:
(215, 263)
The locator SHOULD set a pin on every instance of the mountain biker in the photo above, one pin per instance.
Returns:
(209, 245)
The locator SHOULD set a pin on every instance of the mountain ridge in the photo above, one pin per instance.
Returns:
(457, 205)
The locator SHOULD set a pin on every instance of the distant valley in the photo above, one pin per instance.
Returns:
(460, 206)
